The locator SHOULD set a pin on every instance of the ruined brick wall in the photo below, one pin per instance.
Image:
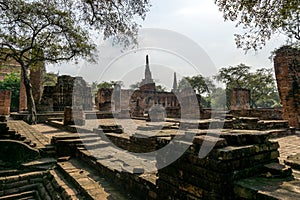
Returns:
(287, 70)
(261, 113)
(137, 102)
(68, 91)
(240, 99)
(104, 99)
(5, 102)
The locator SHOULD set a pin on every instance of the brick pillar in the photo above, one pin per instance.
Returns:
(5, 98)
(23, 100)
(117, 97)
(287, 70)
(240, 99)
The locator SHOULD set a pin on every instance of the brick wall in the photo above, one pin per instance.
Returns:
(5, 102)
(240, 99)
(287, 70)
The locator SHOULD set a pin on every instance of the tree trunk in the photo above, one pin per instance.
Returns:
(32, 116)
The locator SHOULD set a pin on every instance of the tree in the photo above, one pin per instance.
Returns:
(135, 86)
(261, 84)
(261, 19)
(218, 98)
(12, 82)
(198, 83)
(105, 84)
(202, 85)
(52, 31)
(49, 79)
(233, 76)
(158, 88)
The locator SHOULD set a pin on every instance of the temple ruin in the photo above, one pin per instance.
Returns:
(139, 102)
(243, 153)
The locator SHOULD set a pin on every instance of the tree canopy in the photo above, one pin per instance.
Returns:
(198, 83)
(50, 31)
(261, 84)
(262, 19)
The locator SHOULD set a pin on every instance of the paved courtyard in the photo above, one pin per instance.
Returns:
(289, 145)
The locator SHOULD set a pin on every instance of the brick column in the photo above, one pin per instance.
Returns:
(240, 99)
(5, 98)
(287, 69)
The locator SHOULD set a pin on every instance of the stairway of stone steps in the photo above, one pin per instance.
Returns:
(38, 179)
(119, 165)
(21, 131)
(69, 190)
(103, 151)
(89, 182)
(33, 184)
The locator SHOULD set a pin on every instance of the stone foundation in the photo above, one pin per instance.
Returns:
(235, 155)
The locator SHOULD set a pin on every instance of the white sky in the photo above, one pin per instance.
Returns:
(196, 36)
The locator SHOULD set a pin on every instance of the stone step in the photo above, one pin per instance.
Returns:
(293, 161)
(80, 141)
(273, 124)
(20, 196)
(122, 168)
(68, 190)
(42, 182)
(48, 151)
(73, 136)
(276, 133)
(111, 128)
(96, 145)
(88, 181)
(244, 137)
(43, 163)
(259, 187)
(278, 170)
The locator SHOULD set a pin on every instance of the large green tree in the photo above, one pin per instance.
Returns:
(203, 86)
(261, 19)
(51, 31)
(261, 84)
(198, 83)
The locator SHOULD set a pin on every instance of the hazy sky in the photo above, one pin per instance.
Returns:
(187, 37)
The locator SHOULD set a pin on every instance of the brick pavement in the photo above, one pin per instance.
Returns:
(31, 134)
(289, 145)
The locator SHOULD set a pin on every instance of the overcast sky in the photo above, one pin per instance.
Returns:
(187, 37)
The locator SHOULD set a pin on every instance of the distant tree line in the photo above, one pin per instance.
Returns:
(261, 83)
